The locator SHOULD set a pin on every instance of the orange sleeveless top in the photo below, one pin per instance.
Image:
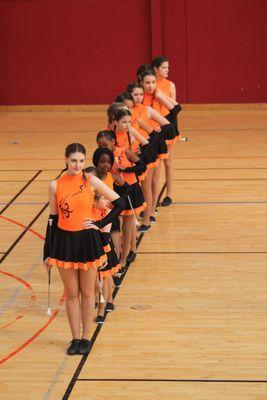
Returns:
(121, 161)
(140, 111)
(165, 86)
(123, 142)
(150, 100)
(109, 180)
(74, 201)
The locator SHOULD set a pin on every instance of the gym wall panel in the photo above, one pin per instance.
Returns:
(86, 51)
(227, 56)
(174, 43)
(71, 51)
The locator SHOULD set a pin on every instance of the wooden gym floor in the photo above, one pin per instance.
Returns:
(190, 319)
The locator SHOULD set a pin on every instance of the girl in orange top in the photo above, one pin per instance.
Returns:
(159, 101)
(126, 164)
(73, 241)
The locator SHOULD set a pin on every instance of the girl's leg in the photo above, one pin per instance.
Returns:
(87, 285)
(133, 238)
(70, 279)
(105, 290)
(127, 223)
(111, 287)
(168, 164)
(116, 239)
(147, 192)
(155, 187)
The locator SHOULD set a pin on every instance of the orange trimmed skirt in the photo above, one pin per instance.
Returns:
(79, 250)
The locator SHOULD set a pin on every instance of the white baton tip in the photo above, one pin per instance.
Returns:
(48, 311)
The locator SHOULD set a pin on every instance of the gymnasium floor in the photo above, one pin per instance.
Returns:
(190, 319)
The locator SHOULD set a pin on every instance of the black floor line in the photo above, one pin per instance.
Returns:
(22, 234)
(215, 202)
(202, 252)
(220, 179)
(94, 337)
(215, 169)
(174, 380)
(22, 190)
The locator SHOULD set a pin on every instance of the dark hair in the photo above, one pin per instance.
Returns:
(111, 111)
(149, 72)
(122, 113)
(141, 69)
(73, 148)
(133, 85)
(124, 96)
(156, 63)
(90, 170)
(99, 152)
(110, 135)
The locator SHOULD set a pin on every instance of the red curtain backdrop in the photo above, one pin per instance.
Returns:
(86, 51)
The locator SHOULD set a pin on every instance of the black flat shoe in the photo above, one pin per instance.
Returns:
(131, 257)
(167, 201)
(144, 228)
(74, 347)
(110, 307)
(84, 346)
(100, 319)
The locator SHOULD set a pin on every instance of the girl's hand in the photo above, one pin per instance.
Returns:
(89, 224)
(47, 264)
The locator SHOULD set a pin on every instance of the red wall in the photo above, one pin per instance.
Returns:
(85, 51)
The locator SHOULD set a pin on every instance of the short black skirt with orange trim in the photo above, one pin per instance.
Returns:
(135, 202)
(113, 265)
(149, 156)
(78, 250)
(172, 118)
(157, 140)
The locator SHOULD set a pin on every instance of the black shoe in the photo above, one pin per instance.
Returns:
(156, 211)
(166, 202)
(117, 281)
(131, 257)
(74, 347)
(152, 219)
(84, 346)
(100, 319)
(110, 307)
(144, 228)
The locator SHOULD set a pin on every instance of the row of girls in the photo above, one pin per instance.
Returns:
(92, 228)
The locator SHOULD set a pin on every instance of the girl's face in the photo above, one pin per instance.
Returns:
(108, 144)
(149, 84)
(163, 70)
(104, 164)
(75, 162)
(124, 124)
(129, 104)
(138, 95)
(102, 203)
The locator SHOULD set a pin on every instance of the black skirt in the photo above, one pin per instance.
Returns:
(113, 265)
(135, 202)
(79, 250)
(157, 139)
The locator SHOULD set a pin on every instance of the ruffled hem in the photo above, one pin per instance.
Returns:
(153, 164)
(170, 142)
(142, 177)
(135, 211)
(163, 156)
(107, 248)
(79, 265)
(110, 272)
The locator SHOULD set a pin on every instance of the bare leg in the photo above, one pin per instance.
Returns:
(70, 279)
(111, 287)
(168, 164)
(133, 238)
(147, 192)
(105, 289)
(155, 187)
(116, 239)
(87, 285)
(126, 235)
